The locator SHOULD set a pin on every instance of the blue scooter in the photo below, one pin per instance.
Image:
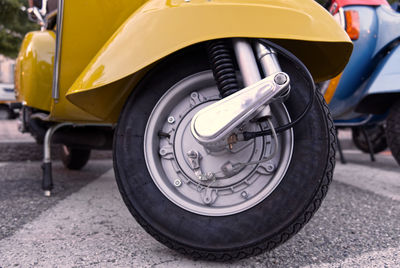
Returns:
(366, 96)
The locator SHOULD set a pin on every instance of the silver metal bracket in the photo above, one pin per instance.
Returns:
(194, 158)
(47, 180)
(213, 125)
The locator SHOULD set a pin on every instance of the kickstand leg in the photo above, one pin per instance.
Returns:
(47, 180)
(370, 148)
(342, 159)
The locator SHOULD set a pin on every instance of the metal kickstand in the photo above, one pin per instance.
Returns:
(342, 159)
(47, 181)
(370, 148)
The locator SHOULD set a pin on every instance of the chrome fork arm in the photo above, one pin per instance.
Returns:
(213, 125)
(248, 65)
(247, 61)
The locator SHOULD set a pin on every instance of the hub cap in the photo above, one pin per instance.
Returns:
(175, 159)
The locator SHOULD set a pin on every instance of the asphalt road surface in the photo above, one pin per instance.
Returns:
(85, 222)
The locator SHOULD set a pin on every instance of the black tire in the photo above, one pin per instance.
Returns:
(74, 158)
(377, 136)
(393, 131)
(262, 227)
(5, 113)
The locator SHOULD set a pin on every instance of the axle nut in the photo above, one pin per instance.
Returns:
(280, 79)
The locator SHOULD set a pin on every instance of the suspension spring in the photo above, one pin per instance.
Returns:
(221, 63)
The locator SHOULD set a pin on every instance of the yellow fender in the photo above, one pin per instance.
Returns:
(34, 70)
(161, 27)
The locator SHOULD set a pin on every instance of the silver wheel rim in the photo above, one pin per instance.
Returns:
(169, 168)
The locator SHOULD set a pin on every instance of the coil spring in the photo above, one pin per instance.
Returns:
(222, 66)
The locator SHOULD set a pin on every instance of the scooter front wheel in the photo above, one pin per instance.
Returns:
(227, 216)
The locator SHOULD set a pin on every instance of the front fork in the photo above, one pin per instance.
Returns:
(248, 64)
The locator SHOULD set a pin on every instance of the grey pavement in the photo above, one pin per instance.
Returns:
(21, 197)
(356, 226)
(9, 132)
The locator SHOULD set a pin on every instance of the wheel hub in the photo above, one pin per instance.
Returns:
(203, 181)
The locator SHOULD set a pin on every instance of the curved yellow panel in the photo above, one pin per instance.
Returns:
(161, 27)
(87, 25)
(34, 70)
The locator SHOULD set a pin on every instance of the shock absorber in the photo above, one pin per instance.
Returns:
(221, 63)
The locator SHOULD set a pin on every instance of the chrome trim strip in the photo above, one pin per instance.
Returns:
(342, 18)
(351, 124)
(56, 71)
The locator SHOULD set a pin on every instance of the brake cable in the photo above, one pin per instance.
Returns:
(303, 69)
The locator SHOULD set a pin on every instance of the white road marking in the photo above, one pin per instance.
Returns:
(379, 181)
(92, 225)
(383, 258)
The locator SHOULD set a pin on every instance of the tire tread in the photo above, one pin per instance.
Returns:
(268, 244)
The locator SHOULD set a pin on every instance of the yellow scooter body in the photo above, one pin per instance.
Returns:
(34, 70)
(107, 46)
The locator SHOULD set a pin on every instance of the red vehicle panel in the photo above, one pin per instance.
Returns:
(336, 4)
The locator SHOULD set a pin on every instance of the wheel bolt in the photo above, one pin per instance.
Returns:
(177, 182)
(270, 167)
(244, 194)
(171, 120)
